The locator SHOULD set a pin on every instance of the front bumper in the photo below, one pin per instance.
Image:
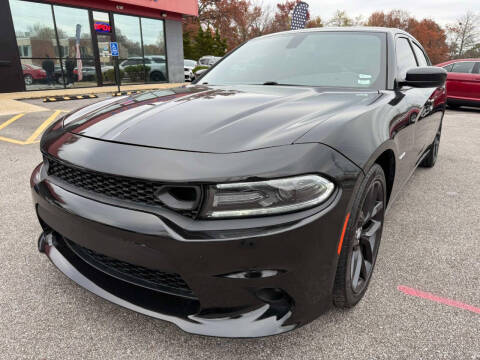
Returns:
(299, 249)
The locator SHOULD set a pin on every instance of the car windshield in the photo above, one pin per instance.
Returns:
(204, 61)
(332, 59)
(189, 63)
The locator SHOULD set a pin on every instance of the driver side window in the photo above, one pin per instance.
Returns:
(405, 57)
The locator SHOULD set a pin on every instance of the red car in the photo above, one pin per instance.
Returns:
(32, 73)
(463, 82)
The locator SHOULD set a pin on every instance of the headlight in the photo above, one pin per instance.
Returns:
(266, 197)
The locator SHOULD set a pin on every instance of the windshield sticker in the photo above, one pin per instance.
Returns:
(363, 82)
(364, 76)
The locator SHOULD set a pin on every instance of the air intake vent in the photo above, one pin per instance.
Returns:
(154, 279)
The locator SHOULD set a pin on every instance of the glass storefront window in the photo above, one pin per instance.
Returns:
(154, 49)
(73, 26)
(34, 29)
(72, 47)
(40, 74)
(153, 37)
(76, 51)
(127, 30)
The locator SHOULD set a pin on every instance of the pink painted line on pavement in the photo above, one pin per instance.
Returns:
(429, 296)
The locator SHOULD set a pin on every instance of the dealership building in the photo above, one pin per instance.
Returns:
(69, 43)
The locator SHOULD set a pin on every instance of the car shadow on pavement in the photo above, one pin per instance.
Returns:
(465, 109)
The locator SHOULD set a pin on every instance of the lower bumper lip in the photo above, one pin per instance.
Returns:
(255, 323)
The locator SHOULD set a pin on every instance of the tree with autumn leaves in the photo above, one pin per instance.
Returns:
(222, 25)
(432, 37)
(236, 21)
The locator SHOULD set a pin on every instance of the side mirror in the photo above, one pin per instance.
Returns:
(425, 77)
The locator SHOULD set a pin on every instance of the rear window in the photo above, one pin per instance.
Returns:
(448, 67)
(463, 67)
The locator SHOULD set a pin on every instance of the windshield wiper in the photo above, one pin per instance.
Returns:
(274, 83)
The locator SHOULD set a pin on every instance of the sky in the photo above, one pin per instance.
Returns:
(442, 11)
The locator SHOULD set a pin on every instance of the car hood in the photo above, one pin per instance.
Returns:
(214, 119)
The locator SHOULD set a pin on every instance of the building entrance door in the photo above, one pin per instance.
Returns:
(102, 36)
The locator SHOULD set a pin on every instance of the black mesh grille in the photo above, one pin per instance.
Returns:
(139, 275)
(138, 191)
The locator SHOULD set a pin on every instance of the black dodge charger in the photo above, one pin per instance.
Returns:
(247, 203)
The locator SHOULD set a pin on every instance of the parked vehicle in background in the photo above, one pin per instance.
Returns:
(189, 75)
(188, 66)
(200, 72)
(463, 82)
(208, 60)
(156, 63)
(33, 73)
(89, 73)
(58, 74)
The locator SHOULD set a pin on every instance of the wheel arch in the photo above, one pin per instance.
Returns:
(387, 161)
(385, 157)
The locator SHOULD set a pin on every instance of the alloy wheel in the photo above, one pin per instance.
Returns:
(367, 237)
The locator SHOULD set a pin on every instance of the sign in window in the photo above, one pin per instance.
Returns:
(102, 27)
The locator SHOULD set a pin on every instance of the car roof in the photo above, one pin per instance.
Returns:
(392, 31)
(457, 60)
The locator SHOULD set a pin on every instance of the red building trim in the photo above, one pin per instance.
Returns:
(160, 9)
(187, 7)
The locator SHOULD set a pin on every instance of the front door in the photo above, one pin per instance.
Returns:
(403, 130)
(103, 35)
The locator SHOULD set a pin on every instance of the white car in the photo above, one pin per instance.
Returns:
(188, 66)
(156, 63)
(208, 60)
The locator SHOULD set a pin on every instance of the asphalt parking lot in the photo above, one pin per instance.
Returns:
(431, 243)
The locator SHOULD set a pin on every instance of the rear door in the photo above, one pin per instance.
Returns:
(463, 82)
(431, 102)
(427, 104)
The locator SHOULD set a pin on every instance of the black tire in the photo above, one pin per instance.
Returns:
(157, 76)
(361, 241)
(431, 158)
(28, 79)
